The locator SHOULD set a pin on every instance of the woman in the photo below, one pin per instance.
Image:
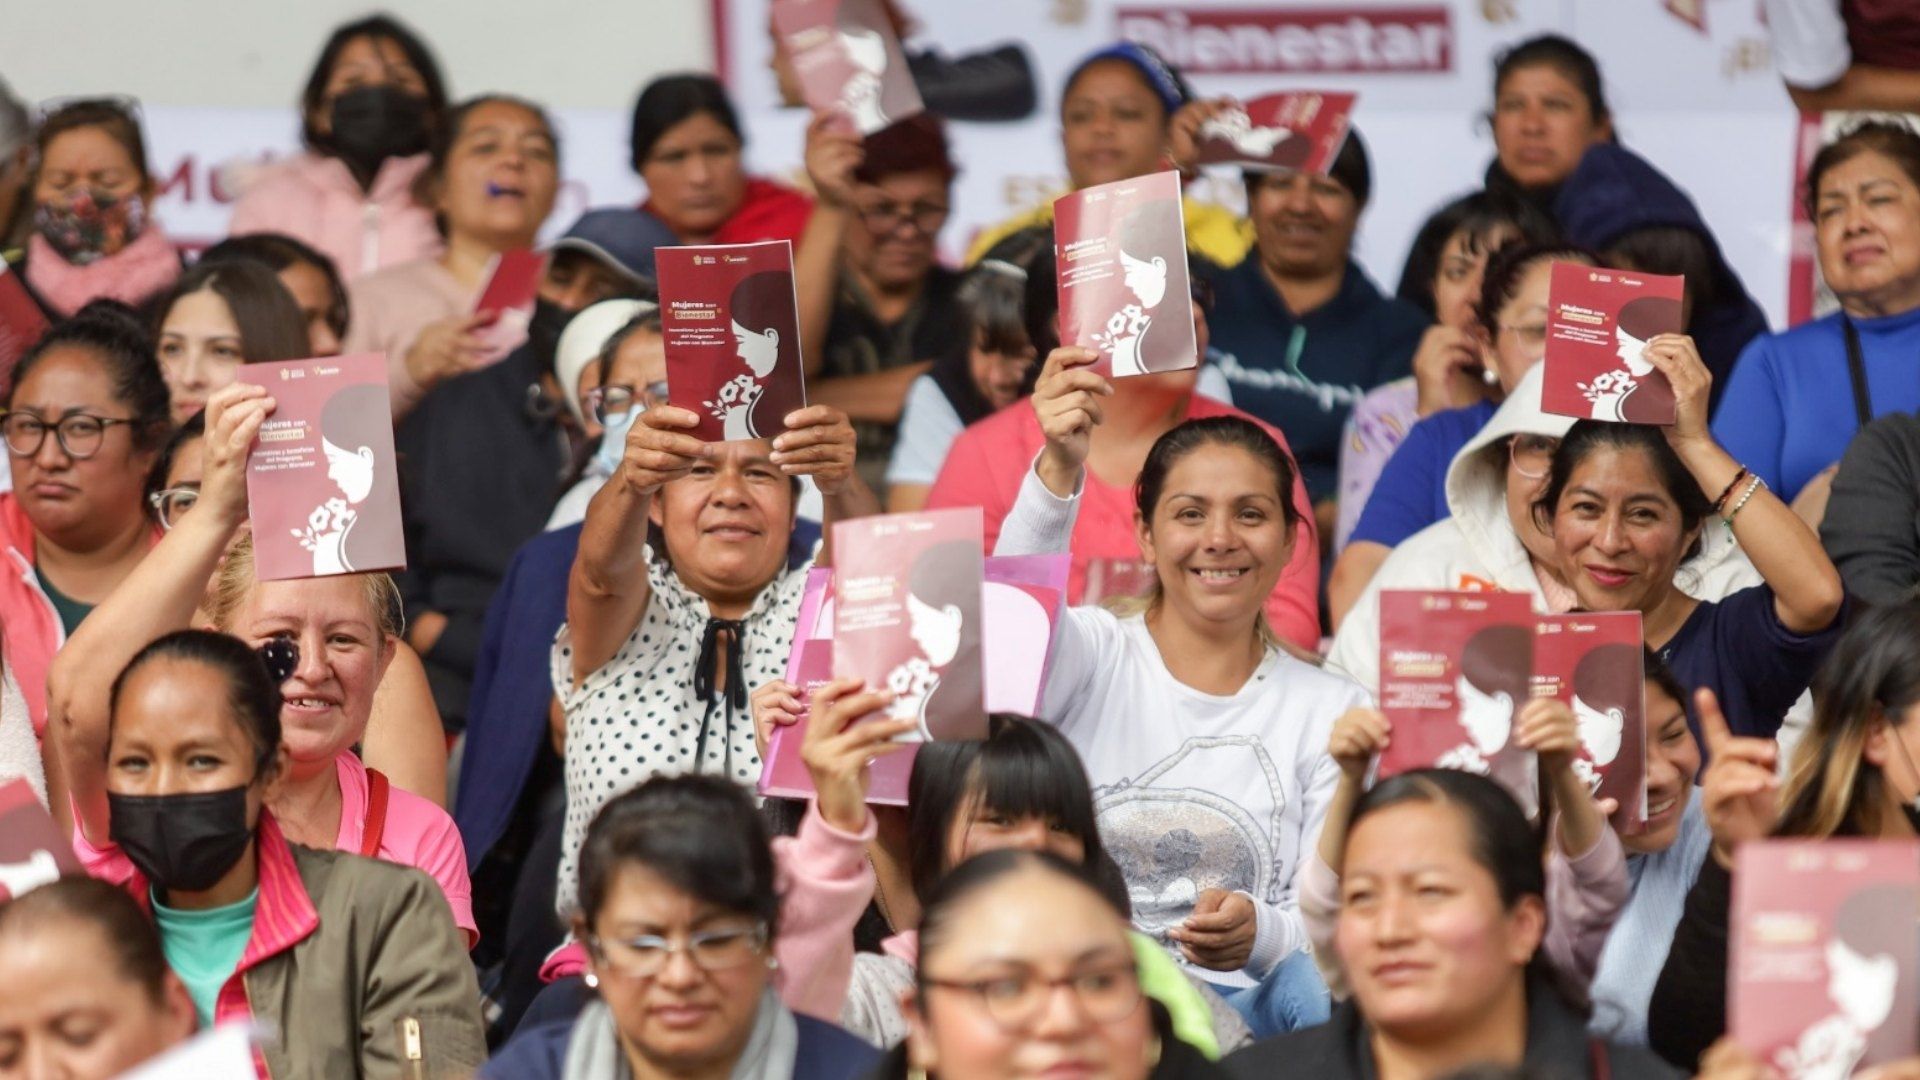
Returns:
(1021, 787)
(1445, 270)
(372, 101)
(1797, 397)
(963, 387)
(1853, 774)
(94, 233)
(217, 317)
(1004, 934)
(309, 277)
(1188, 711)
(1627, 504)
(1510, 336)
(619, 365)
(687, 144)
(85, 990)
(490, 182)
(681, 914)
(1116, 121)
(1443, 911)
(176, 809)
(87, 413)
(335, 636)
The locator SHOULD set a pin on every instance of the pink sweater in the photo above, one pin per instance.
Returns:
(315, 199)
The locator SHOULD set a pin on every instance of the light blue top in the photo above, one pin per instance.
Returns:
(1636, 950)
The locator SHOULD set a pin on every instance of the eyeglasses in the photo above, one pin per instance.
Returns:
(173, 503)
(1016, 1002)
(605, 401)
(1532, 335)
(645, 956)
(884, 218)
(1532, 454)
(79, 434)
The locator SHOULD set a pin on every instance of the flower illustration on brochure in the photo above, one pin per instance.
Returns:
(737, 395)
(328, 520)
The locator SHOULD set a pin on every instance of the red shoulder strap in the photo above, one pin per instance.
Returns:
(376, 826)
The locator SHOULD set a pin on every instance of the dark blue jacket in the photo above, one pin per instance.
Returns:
(825, 1053)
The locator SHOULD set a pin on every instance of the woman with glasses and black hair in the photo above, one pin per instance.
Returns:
(621, 358)
(679, 909)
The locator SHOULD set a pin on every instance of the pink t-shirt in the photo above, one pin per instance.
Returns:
(418, 834)
(991, 458)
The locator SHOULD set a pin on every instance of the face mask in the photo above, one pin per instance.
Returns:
(543, 330)
(613, 445)
(184, 842)
(374, 123)
(89, 224)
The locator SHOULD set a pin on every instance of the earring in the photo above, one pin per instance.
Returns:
(773, 963)
(1153, 1053)
(593, 981)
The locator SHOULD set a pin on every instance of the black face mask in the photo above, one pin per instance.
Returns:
(374, 123)
(543, 330)
(181, 842)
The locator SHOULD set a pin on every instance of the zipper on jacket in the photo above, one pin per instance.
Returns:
(411, 1051)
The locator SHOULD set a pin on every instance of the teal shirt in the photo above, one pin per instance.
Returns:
(71, 611)
(204, 947)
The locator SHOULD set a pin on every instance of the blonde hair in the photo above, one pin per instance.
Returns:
(234, 583)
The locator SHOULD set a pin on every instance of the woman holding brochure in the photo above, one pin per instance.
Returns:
(1189, 712)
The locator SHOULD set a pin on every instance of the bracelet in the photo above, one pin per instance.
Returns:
(1752, 487)
(1728, 490)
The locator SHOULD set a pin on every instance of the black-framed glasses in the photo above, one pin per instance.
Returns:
(170, 505)
(884, 218)
(79, 434)
(1016, 1002)
(605, 401)
(646, 955)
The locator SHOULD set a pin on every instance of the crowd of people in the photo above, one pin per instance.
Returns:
(495, 814)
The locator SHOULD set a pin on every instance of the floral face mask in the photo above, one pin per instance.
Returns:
(88, 224)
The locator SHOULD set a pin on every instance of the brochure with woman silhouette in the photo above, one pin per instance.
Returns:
(1593, 662)
(1455, 670)
(322, 490)
(732, 332)
(32, 851)
(848, 60)
(1298, 131)
(1824, 940)
(1120, 253)
(1598, 324)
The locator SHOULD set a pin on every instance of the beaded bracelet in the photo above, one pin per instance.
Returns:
(1755, 485)
(1728, 490)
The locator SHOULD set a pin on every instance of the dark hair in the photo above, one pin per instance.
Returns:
(1023, 768)
(1478, 216)
(194, 429)
(252, 694)
(1499, 837)
(603, 360)
(701, 834)
(916, 144)
(1893, 139)
(1668, 249)
(444, 135)
(1146, 54)
(943, 901)
(1871, 676)
(269, 320)
(1574, 64)
(991, 302)
(671, 100)
(1657, 674)
(1188, 436)
(1041, 300)
(1509, 266)
(129, 935)
(1351, 169)
(380, 27)
(114, 117)
(277, 252)
(117, 338)
(1587, 436)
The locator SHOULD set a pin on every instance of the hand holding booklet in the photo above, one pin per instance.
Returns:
(1299, 130)
(848, 60)
(1598, 324)
(1120, 254)
(732, 331)
(511, 290)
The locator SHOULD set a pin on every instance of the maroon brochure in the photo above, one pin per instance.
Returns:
(1300, 130)
(32, 851)
(1455, 670)
(1593, 662)
(513, 284)
(732, 335)
(321, 484)
(1598, 324)
(848, 60)
(1120, 254)
(21, 324)
(1118, 579)
(1823, 944)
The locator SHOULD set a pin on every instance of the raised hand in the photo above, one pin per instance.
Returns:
(448, 347)
(833, 152)
(1676, 357)
(1442, 369)
(837, 749)
(1358, 736)
(774, 705)
(658, 451)
(1547, 727)
(1183, 131)
(234, 415)
(818, 442)
(1066, 401)
(1740, 792)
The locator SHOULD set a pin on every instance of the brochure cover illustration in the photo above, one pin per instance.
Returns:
(1296, 131)
(1121, 258)
(848, 60)
(732, 334)
(32, 851)
(1593, 662)
(1598, 324)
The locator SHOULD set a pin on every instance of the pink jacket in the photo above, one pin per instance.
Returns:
(315, 199)
(33, 628)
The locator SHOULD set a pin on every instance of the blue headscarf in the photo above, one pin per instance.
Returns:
(1167, 84)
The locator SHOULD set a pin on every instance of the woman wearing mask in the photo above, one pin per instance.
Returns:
(1443, 910)
(216, 318)
(368, 109)
(335, 638)
(623, 374)
(354, 962)
(1027, 971)
(94, 235)
(308, 276)
(87, 413)
(681, 913)
(1628, 504)
(1116, 120)
(1854, 774)
(85, 990)
(492, 173)
(687, 144)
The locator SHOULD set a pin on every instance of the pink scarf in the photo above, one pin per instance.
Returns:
(131, 275)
